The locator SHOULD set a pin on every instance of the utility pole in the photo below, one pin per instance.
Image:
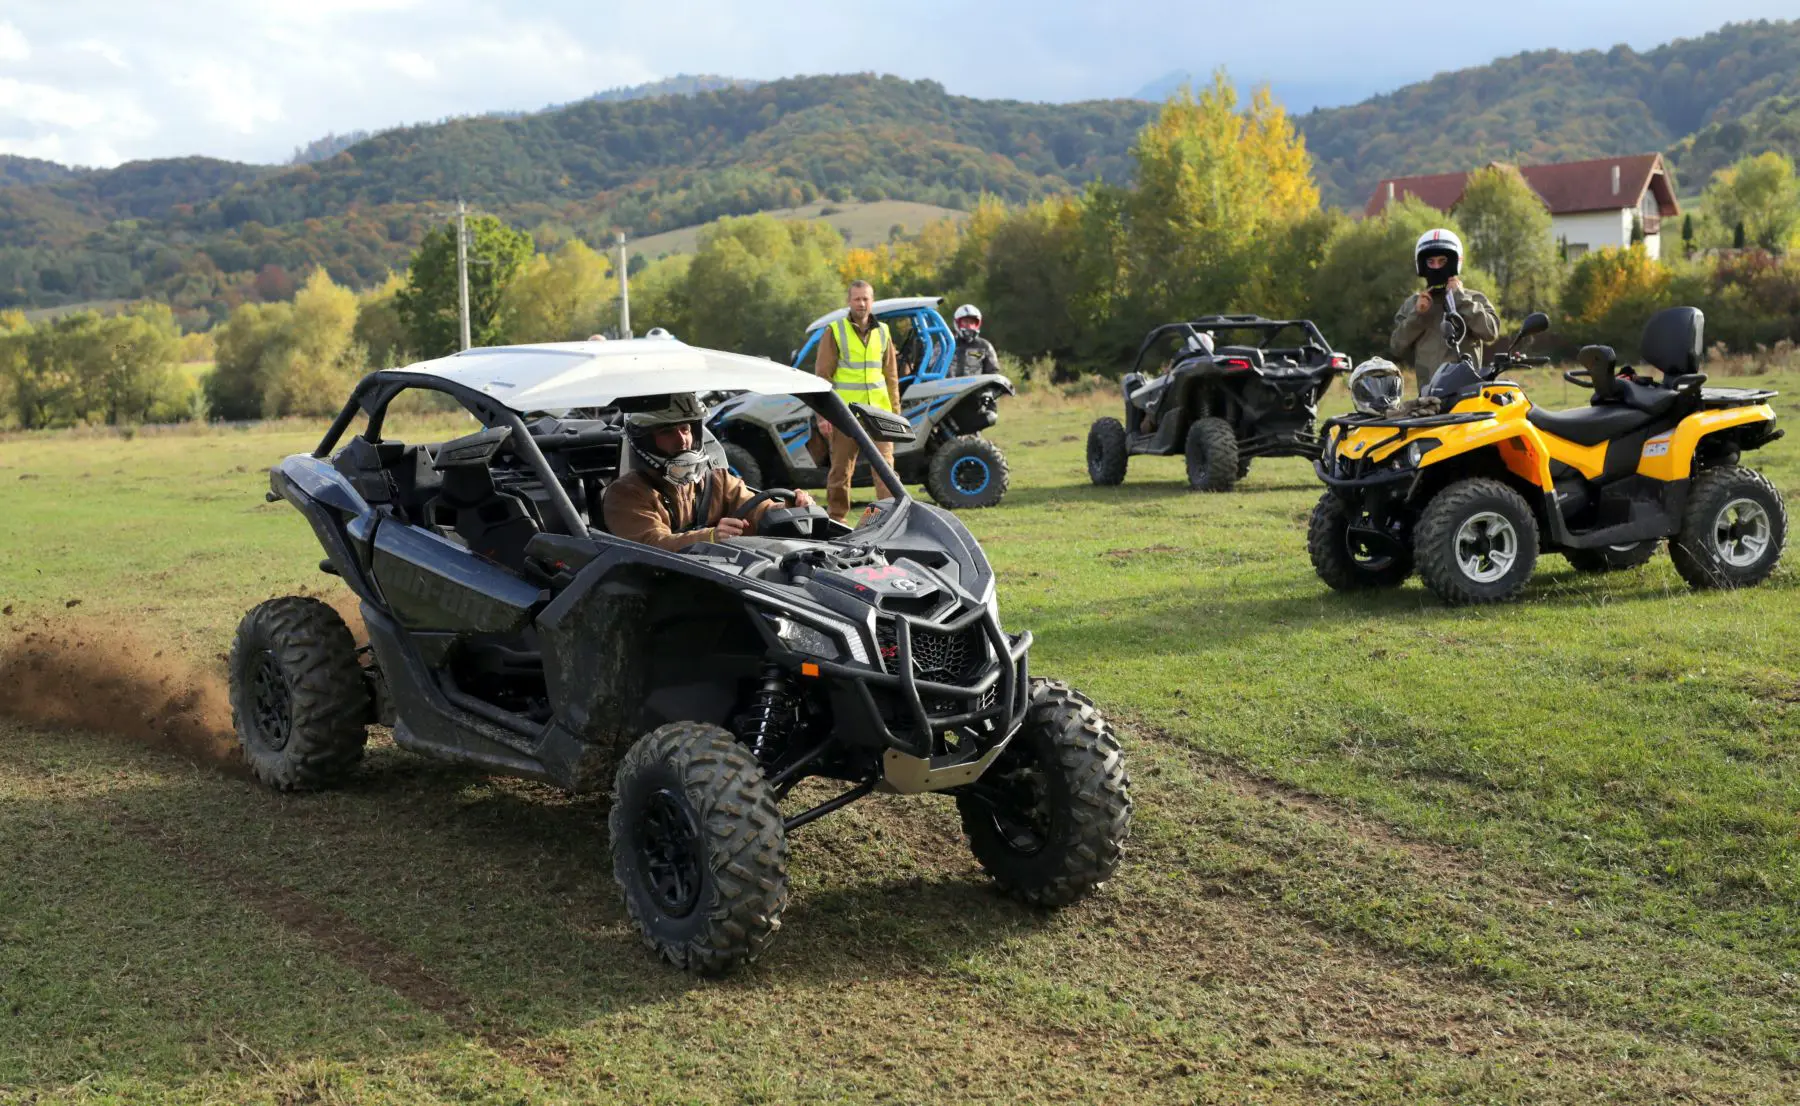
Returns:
(462, 271)
(624, 291)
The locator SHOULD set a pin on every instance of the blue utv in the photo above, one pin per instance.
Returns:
(771, 441)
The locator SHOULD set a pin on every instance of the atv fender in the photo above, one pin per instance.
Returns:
(1669, 456)
(341, 519)
(1517, 443)
(953, 400)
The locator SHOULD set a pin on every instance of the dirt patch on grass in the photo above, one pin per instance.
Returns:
(87, 675)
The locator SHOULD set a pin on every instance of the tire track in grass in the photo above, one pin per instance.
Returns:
(1507, 927)
(336, 934)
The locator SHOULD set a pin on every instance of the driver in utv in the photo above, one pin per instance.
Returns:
(675, 496)
(974, 354)
(1418, 337)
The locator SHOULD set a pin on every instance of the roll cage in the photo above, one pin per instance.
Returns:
(936, 340)
(373, 394)
(1215, 324)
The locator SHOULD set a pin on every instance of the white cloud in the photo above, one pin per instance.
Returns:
(409, 63)
(106, 51)
(229, 96)
(13, 46)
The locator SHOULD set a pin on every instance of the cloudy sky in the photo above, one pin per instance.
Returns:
(97, 82)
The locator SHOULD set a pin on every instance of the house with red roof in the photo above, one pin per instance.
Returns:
(1595, 203)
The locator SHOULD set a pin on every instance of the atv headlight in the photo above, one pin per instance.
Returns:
(827, 642)
(1416, 451)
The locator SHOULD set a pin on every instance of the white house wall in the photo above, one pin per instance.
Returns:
(1598, 229)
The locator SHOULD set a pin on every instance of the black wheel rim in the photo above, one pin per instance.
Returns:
(273, 717)
(970, 475)
(668, 853)
(1019, 802)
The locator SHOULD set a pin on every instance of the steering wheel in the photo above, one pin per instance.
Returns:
(785, 522)
(1581, 378)
(767, 495)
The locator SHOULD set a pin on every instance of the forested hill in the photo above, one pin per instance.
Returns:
(1549, 105)
(191, 230)
(198, 232)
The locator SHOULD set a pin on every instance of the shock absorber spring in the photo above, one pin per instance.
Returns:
(774, 713)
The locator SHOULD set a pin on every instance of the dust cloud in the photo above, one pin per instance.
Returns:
(86, 675)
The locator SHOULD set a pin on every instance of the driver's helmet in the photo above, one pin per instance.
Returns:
(657, 332)
(1438, 243)
(968, 319)
(1375, 386)
(1199, 343)
(685, 467)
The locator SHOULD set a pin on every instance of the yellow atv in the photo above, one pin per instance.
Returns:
(1469, 482)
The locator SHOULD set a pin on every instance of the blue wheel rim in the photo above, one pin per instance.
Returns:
(970, 475)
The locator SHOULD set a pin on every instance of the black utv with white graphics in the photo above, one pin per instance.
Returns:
(1225, 390)
(701, 686)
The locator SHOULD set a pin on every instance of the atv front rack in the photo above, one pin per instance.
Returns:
(1410, 422)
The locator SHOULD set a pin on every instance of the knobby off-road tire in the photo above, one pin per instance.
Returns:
(1733, 530)
(744, 463)
(1476, 542)
(299, 701)
(1049, 818)
(1341, 566)
(1611, 558)
(1212, 456)
(1106, 452)
(967, 472)
(698, 848)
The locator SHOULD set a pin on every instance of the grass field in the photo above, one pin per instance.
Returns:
(866, 224)
(1384, 851)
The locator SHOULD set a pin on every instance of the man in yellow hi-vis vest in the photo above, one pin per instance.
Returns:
(856, 354)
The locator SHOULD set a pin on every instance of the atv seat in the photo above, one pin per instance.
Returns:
(1648, 398)
(492, 523)
(1589, 425)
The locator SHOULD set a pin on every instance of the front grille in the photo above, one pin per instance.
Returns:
(955, 657)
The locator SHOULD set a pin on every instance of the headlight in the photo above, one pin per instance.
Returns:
(1416, 451)
(816, 641)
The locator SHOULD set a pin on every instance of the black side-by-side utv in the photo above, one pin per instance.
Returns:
(1232, 388)
(508, 632)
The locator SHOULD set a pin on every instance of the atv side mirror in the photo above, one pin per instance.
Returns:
(1535, 323)
(883, 426)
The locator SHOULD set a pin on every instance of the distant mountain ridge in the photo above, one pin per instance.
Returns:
(197, 231)
(1549, 105)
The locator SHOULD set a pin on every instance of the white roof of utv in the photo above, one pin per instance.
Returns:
(555, 376)
(880, 308)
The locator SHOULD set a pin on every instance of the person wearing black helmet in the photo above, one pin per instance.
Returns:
(974, 355)
(1418, 337)
(674, 495)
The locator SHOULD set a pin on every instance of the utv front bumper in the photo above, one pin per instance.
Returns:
(933, 733)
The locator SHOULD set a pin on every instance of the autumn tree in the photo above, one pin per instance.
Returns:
(1214, 184)
(428, 303)
(1758, 200)
(316, 360)
(561, 298)
(755, 282)
(1508, 228)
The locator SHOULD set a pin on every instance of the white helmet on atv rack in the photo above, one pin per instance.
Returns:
(685, 467)
(1438, 242)
(970, 312)
(1376, 386)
